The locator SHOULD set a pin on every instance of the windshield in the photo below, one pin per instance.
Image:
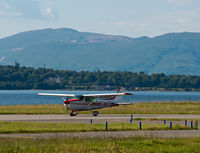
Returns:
(90, 99)
(82, 98)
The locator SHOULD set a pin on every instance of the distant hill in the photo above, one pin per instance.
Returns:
(68, 49)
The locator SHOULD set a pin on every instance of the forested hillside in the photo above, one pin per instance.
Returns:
(68, 49)
(16, 77)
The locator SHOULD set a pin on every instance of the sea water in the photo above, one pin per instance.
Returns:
(30, 97)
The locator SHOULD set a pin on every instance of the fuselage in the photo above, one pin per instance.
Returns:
(82, 105)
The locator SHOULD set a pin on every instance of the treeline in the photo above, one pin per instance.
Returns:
(16, 77)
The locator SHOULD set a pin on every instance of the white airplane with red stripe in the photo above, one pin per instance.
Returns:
(90, 102)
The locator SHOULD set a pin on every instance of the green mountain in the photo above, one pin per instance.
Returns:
(68, 49)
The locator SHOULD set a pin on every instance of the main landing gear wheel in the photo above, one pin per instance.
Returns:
(73, 113)
(95, 113)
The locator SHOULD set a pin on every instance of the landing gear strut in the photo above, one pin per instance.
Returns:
(73, 113)
(95, 113)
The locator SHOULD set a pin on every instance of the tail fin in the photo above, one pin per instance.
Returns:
(119, 98)
(121, 89)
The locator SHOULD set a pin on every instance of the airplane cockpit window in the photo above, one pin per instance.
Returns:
(87, 99)
(90, 99)
(81, 98)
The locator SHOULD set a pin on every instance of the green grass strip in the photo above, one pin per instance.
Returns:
(29, 127)
(105, 145)
(137, 108)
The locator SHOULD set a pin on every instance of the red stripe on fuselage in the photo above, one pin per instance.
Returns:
(71, 100)
(95, 104)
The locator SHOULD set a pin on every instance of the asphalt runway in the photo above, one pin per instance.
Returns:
(110, 118)
(85, 118)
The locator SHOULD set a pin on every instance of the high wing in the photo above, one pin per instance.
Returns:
(105, 95)
(60, 95)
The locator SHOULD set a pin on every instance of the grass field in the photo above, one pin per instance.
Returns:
(100, 145)
(137, 108)
(28, 127)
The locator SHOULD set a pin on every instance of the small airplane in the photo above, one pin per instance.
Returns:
(89, 102)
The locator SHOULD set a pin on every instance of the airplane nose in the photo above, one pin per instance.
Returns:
(66, 102)
(66, 106)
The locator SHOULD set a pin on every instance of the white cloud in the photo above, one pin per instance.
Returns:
(177, 18)
(32, 9)
(2, 59)
(10, 14)
(6, 6)
(49, 11)
(157, 25)
(7, 11)
(180, 2)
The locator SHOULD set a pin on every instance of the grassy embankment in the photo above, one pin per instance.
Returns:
(111, 145)
(27, 127)
(137, 108)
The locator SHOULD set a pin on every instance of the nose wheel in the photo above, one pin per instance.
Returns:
(95, 113)
(73, 113)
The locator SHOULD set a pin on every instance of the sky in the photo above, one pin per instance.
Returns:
(133, 18)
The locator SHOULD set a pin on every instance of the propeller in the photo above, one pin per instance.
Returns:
(66, 103)
(65, 108)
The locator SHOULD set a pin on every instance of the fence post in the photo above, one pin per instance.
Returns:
(191, 123)
(185, 122)
(170, 125)
(140, 125)
(131, 120)
(106, 126)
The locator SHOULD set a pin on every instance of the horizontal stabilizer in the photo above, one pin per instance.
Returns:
(106, 95)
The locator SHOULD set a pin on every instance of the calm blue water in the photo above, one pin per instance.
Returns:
(19, 97)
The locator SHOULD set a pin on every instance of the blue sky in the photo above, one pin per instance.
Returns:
(134, 18)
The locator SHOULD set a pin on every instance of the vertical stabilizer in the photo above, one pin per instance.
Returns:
(119, 98)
